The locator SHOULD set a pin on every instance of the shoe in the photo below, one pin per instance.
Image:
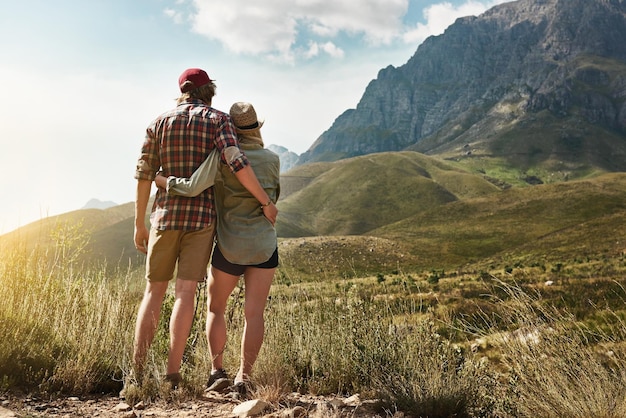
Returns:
(238, 391)
(174, 379)
(218, 381)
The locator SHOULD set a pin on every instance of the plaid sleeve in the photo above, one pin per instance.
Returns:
(226, 137)
(148, 163)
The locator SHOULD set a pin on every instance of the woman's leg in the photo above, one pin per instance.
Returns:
(219, 289)
(257, 282)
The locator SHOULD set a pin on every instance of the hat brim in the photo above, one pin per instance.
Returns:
(260, 122)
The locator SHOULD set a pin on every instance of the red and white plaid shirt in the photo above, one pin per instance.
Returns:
(177, 142)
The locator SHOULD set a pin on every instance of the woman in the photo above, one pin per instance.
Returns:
(246, 244)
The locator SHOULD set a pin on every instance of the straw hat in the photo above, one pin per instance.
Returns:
(244, 117)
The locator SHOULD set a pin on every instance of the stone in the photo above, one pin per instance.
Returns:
(122, 407)
(250, 408)
(6, 413)
(295, 412)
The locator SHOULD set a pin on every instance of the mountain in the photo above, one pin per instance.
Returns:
(98, 204)
(532, 84)
(288, 159)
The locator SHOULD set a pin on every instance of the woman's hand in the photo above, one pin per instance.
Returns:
(270, 212)
(160, 181)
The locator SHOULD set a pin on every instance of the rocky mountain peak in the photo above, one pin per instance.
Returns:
(494, 81)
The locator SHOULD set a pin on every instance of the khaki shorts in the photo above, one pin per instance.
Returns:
(190, 249)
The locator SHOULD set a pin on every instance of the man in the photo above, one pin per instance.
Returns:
(182, 228)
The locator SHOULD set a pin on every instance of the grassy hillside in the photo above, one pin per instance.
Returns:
(96, 235)
(353, 196)
(300, 177)
(572, 218)
(547, 149)
(547, 225)
(393, 212)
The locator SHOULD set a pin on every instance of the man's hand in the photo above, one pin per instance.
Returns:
(271, 212)
(141, 238)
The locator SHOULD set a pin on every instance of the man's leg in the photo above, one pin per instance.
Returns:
(147, 322)
(258, 282)
(220, 286)
(195, 250)
(181, 322)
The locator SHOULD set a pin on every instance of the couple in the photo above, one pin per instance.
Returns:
(195, 136)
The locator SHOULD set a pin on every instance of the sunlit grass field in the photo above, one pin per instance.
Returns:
(504, 338)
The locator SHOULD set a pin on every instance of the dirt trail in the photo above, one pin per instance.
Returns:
(208, 406)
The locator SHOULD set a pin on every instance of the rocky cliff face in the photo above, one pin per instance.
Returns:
(288, 159)
(524, 66)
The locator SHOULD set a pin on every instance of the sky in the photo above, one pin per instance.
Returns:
(81, 80)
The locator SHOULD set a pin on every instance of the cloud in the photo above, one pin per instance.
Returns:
(329, 48)
(439, 16)
(378, 21)
(176, 16)
(332, 50)
(280, 28)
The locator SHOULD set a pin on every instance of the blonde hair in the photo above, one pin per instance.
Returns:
(204, 93)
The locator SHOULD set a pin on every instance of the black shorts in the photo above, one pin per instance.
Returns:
(219, 262)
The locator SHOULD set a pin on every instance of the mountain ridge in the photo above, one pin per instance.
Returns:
(553, 64)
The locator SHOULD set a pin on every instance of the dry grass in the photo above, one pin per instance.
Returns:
(403, 339)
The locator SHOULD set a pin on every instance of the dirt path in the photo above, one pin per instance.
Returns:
(207, 406)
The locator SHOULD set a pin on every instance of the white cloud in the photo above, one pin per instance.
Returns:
(332, 50)
(313, 51)
(177, 17)
(327, 47)
(439, 16)
(379, 21)
(274, 27)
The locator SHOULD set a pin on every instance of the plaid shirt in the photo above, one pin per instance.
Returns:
(177, 142)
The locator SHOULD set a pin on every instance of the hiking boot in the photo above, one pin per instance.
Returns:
(174, 379)
(218, 381)
(239, 391)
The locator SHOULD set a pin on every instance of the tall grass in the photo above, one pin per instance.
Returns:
(349, 343)
(558, 366)
(68, 328)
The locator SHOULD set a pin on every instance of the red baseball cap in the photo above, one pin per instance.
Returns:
(195, 76)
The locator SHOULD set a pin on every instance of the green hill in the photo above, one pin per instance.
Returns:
(383, 212)
(97, 235)
(356, 195)
(565, 219)
(553, 223)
